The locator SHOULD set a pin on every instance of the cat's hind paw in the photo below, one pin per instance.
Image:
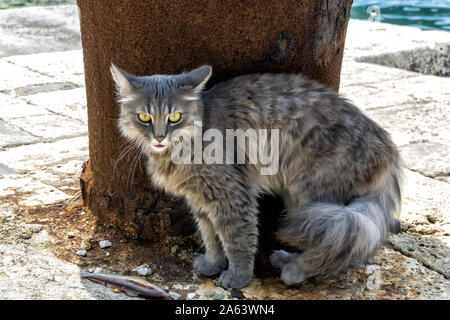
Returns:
(292, 273)
(279, 258)
(208, 268)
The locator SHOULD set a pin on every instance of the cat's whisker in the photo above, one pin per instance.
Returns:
(142, 153)
(129, 171)
(132, 158)
(124, 152)
(138, 161)
(134, 164)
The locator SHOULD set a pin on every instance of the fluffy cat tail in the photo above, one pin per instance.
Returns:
(335, 236)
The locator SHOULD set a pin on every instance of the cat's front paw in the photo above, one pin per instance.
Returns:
(209, 268)
(235, 279)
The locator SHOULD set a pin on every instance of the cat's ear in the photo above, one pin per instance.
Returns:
(195, 80)
(123, 81)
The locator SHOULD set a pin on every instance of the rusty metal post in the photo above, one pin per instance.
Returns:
(170, 36)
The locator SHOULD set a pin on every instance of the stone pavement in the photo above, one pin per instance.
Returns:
(39, 29)
(43, 141)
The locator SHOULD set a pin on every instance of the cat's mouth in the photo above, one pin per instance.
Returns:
(158, 147)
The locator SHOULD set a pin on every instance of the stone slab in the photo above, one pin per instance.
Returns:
(29, 192)
(64, 66)
(414, 90)
(11, 135)
(431, 252)
(426, 60)
(415, 122)
(14, 107)
(57, 164)
(357, 73)
(51, 127)
(14, 76)
(429, 158)
(44, 87)
(426, 206)
(69, 103)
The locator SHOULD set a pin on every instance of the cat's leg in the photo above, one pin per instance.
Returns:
(213, 260)
(291, 198)
(279, 258)
(231, 205)
(238, 232)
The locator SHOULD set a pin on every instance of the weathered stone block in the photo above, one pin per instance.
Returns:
(11, 135)
(51, 126)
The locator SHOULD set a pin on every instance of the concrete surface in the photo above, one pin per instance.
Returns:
(43, 141)
(39, 29)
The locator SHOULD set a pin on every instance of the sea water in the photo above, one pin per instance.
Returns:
(424, 14)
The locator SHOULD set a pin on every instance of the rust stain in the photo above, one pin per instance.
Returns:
(285, 47)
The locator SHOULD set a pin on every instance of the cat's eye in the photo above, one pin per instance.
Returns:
(174, 117)
(144, 117)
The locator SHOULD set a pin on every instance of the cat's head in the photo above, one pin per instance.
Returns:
(156, 110)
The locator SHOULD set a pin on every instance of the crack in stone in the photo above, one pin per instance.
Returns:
(447, 174)
(47, 140)
(65, 116)
(424, 263)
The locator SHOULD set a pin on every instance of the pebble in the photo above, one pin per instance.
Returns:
(105, 244)
(431, 219)
(107, 254)
(86, 245)
(181, 287)
(191, 295)
(70, 235)
(27, 235)
(81, 253)
(218, 296)
(175, 295)
(210, 294)
(177, 286)
(98, 270)
(143, 270)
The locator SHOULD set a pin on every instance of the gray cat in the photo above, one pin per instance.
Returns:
(338, 171)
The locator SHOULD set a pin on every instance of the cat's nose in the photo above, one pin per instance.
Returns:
(159, 139)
